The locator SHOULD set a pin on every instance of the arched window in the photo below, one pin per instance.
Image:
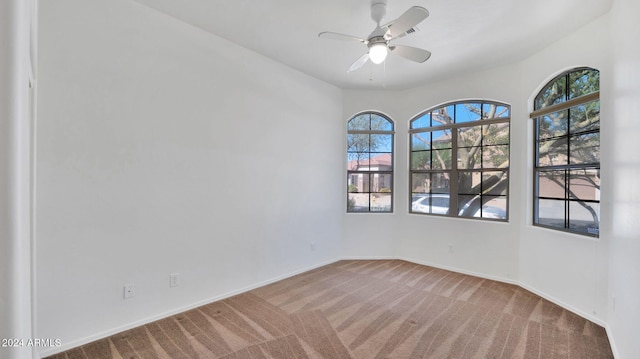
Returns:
(370, 163)
(567, 153)
(460, 160)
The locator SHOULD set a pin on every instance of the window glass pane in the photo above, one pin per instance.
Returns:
(585, 149)
(490, 111)
(381, 162)
(584, 184)
(585, 117)
(450, 112)
(440, 182)
(468, 112)
(358, 202)
(469, 205)
(359, 123)
(552, 152)
(381, 143)
(353, 182)
(441, 159)
(469, 182)
(381, 182)
(494, 183)
(379, 123)
(553, 125)
(584, 217)
(495, 134)
(495, 156)
(431, 203)
(358, 142)
(470, 136)
(554, 93)
(421, 203)
(421, 141)
(381, 202)
(442, 116)
(469, 157)
(423, 121)
(421, 160)
(494, 207)
(420, 183)
(439, 203)
(358, 182)
(583, 82)
(551, 184)
(358, 161)
(441, 139)
(551, 212)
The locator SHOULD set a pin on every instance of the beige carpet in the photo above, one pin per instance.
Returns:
(366, 309)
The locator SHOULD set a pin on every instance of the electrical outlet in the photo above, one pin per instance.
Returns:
(129, 291)
(174, 280)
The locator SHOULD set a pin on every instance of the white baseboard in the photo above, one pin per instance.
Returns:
(612, 343)
(365, 258)
(108, 333)
(461, 271)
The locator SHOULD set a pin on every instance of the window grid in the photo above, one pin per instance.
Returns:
(370, 141)
(470, 196)
(567, 179)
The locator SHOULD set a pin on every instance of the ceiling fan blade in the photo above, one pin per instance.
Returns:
(359, 62)
(411, 53)
(406, 21)
(338, 36)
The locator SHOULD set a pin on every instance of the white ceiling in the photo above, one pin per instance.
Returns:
(463, 35)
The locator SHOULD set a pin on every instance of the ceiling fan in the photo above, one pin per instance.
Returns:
(379, 40)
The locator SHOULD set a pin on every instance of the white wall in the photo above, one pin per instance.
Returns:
(162, 149)
(15, 171)
(624, 168)
(569, 269)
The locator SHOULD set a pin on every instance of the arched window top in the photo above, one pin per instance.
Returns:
(567, 86)
(461, 112)
(370, 121)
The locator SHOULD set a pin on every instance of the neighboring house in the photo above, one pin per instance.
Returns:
(358, 173)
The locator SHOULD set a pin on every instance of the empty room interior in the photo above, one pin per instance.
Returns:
(160, 156)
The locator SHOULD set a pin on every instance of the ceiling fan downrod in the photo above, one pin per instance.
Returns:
(378, 10)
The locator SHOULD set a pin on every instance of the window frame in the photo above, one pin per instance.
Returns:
(568, 199)
(389, 172)
(455, 171)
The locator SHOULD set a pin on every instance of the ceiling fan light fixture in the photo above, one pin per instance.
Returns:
(378, 53)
